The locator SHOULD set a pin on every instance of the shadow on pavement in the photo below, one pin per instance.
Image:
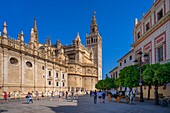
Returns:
(3, 110)
(81, 105)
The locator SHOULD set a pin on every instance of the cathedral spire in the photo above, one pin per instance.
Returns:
(35, 30)
(93, 26)
(35, 25)
(5, 30)
(78, 37)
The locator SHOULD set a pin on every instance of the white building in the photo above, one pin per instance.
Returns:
(152, 37)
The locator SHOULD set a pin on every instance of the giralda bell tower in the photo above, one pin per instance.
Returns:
(94, 42)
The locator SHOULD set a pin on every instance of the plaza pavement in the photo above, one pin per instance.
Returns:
(84, 104)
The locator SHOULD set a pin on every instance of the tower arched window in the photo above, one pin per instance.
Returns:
(93, 30)
(91, 40)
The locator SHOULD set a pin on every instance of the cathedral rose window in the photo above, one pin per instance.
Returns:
(29, 64)
(13, 60)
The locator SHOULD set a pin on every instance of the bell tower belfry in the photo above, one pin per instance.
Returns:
(94, 43)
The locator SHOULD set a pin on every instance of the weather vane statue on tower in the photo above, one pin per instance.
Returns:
(94, 13)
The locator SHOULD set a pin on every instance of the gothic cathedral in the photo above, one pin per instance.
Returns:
(50, 67)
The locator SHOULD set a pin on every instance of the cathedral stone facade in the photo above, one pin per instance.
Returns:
(45, 67)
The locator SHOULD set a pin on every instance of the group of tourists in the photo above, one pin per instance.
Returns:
(29, 98)
(101, 96)
(73, 95)
(129, 96)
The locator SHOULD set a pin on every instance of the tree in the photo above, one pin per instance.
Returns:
(148, 75)
(100, 85)
(129, 76)
(110, 83)
(106, 84)
(157, 75)
(161, 77)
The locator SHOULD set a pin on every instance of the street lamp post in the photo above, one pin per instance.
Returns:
(139, 61)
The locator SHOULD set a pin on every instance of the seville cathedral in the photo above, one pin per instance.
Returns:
(45, 67)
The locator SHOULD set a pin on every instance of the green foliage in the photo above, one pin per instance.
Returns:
(106, 84)
(156, 73)
(148, 73)
(129, 76)
(162, 74)
(100, 85)
(110, 83)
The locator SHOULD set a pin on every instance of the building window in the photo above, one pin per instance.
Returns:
(138, 35)
(130, 57)
(160, 53)
(56, 83)
(147, 26)
(56, 75)
(120, 64)
(124, 61)
(148, 58)
(49, 73)
(159, 15)
(43, 67)
(63, 76)
(13, 60)
(49, 82)
(29, 64)
(63, 83)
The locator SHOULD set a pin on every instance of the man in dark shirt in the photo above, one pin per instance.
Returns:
(103, 96)
(95, 97)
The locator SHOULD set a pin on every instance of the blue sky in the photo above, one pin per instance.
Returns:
(63, 19)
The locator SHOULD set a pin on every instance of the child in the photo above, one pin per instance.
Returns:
(5, 97)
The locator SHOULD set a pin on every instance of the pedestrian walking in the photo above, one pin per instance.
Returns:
(100, 96)
(5, 97)
(42, 95)
(37, 95)
(60, 95)
(72, 96)
(91, 93)
(103, 97)
(95, 97)
(52, 96)
(9, 95)
(131, 94)
(27, 98)
(30, 98)
(109, 97)
(77, 95)
(66, 94)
